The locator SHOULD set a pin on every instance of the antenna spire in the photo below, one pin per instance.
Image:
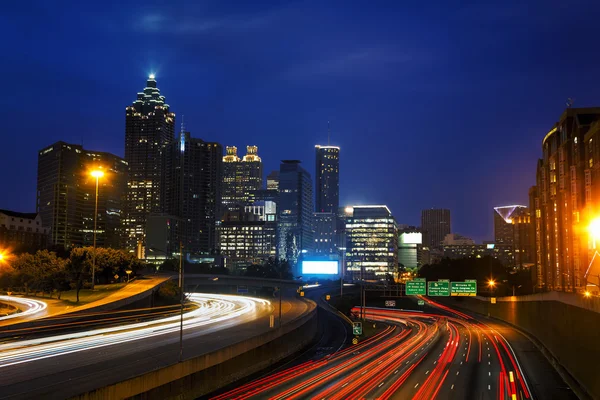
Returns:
(328, 133)
(182, 124)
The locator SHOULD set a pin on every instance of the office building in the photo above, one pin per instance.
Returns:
(456, 239)
(565, 200)
(245, 239)
(163, 233)
(66, 195)
(503, 222)
(325, 236)
(241, 177)
(194, 191)
(435, 224)
(410, 248)
(22, 232)
(327, 179)
(149, 130)
(371, 243)
(500, 251)
(273, 180)
(295, 213)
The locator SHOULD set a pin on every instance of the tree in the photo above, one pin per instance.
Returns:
(78, 268)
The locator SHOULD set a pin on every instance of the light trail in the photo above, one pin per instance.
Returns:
(31, 306)
(212, 308)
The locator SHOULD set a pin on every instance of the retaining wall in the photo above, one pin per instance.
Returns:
(204, 374)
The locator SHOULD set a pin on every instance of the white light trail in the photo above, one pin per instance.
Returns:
(29, 306)
(212, 308)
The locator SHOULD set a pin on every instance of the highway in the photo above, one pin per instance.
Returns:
(435, 352)
(64, 365)
(27, 306)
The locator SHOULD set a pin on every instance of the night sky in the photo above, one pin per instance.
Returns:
(434, 104)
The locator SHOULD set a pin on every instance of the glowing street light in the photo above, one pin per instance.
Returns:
(594, 230)
(491, 283)
(587, 294)
(97, 173)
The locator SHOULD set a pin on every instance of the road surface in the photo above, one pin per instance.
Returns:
(59, 367)
(435, 352)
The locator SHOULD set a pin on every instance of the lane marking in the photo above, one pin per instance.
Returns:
(451, 387)
(416, 385)
(489, 374)
(381, 384)
(461, 363)
(395, 372)
(427, 372)
(457, 372)
(345, 384)
(489, 387)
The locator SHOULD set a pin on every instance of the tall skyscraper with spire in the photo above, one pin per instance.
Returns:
(149, 130)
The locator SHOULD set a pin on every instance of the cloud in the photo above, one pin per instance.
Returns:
(357, 63)
(169, 24)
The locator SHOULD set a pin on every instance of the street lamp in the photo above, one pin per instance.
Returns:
(95, 174)
(587, 294)
(128, 272)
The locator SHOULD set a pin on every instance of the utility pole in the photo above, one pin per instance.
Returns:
(182, 298)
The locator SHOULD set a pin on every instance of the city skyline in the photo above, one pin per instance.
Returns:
(283, 99)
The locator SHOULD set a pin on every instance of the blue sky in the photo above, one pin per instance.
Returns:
(434, 104)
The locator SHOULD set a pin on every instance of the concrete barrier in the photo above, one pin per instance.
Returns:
(568, 333)
(209, 372)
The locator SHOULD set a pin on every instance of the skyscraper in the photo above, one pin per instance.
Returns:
(241, 177)
(503, 222)
(325, 233)
(273, 180)
(327, 170)
(66, 195)
(435, 224)
(565, 200)
(194, 191)
(371, 242)
(295, 208)
(149, 130)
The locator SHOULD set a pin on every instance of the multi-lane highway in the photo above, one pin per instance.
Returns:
(28, 307)
(432, 353)
(65, 365)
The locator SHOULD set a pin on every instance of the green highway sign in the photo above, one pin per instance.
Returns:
(466, 288)
(421, 302)
(438, 288)
(357, 328)
(416, 287)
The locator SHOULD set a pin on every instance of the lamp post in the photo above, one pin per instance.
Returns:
(128, 272)
(96, 174)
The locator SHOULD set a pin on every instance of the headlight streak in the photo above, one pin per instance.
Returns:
(31, 306)
(211, 309)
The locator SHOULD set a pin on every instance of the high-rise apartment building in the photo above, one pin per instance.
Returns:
(194, 191)
(149, 130)
(565, 200)
(327, 185)
(241, 177)
(295, 209)
(371, 242)
(66, 195)
(435, 224)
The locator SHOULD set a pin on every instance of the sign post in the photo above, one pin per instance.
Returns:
(357, 328)
(416, 287)
(466, 288)
(438, 288)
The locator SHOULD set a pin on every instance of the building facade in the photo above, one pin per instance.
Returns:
(66, 195)
(273, 180)
(410, 248)
(435, 224)
(327, 179)
(245, 239)
(371, 243)
(149, 131)
(325, 236)
(194, 191)
(241, 177)
(295, 213)
(564, 201)
(503, 222)
(22, 232)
